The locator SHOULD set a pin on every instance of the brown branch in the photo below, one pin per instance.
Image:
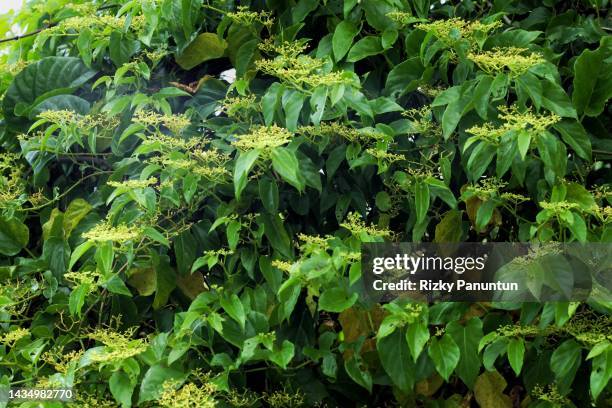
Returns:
(19, 37)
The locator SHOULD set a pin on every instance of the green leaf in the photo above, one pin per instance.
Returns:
(564, 363)
(523, 142)
(365, 47)
(467, 337)
(421, 200)
(404, 77)
(14, 236)
(445, 354)
(77, 299)
(243, 166)
(233, 234)
(286, 164)
(122, 388)
(47, 77)
(270, 102)
(293, 101)
(593, 79)
(484, 214)
(336, 300)
(516, 354)
(317, 104)
(165, 280)
(79, 252)
(357, 374)
(395, 358)
(556, 100)
(204, 47)
(449, 228)
(233, 307)
(417, 335)
(601, 372)
(573, 133)
(482, 92)
(343, 37)
(122, 48)
(76, 211)
(156, 236)
(283, 356)
(276, 234)
(268, 193)
(152, 383)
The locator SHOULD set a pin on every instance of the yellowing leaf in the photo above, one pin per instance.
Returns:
(205, 47)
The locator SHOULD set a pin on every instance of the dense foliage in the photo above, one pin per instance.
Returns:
(171, 238)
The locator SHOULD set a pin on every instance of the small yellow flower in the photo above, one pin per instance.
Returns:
(104, 232)
(263, 138)
(188, 396)
(176, 123)
(357, 226)
(509, 60)
(13, 336)
(247, 18)
(296, 69)
(133, 184)
(451, 31)
(117, 346)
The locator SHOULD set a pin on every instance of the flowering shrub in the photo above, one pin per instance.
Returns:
(169, 238)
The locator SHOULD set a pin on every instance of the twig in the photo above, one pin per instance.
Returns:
(19, 37)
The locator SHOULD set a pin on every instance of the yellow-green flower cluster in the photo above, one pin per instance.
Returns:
(282, 265)
(330, 130)
(169, 143)
(60, 360)
(486, 188)
(117, 346)
(67, 118)
(15, 67)
(296, 69)
(263, 138)
(357, 226)
(59, 117)
(13, 336)
(514, 120)
(402, 18)
(385, 156)
(313, 243)
(11, 180)
(508, 60)
(558, 207)
(209, 164)
(104, 232)
(451, 31)
(90, 278)
(100, 25)
(537, 252)
(604, 214)
(513, 197)
(189, 395)
(175, 123)
(133, 184)
(236, 107)
(246, 17)
(551, 395)
(526, 120)
(422, 121)
(285, 399)
(420, 173)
